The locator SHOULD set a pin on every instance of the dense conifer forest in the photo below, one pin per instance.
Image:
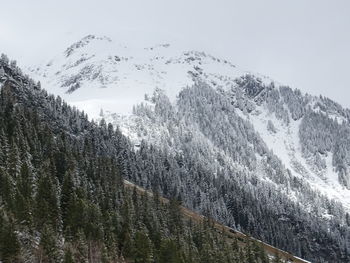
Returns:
(62, 196)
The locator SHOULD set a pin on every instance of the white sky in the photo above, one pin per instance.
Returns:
(303, 43)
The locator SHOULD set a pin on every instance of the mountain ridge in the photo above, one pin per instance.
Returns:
(227, 133)
(100, 62)
(192, 63)
(63, 196)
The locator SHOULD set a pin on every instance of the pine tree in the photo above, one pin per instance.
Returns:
(9, 244)
(175, 216)
(142, 250)
(6, 190)
(48, 246)
(66, 196)
(169, 252)
(47, 210)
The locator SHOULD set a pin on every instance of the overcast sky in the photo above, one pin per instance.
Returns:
(303, 43)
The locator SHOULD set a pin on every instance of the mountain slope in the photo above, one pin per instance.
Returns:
(243, 239)
(256, 155)
(96, 74)
(126, 73)
(63, 198)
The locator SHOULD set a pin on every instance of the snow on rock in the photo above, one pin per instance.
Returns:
(286, 145)
(98, 73)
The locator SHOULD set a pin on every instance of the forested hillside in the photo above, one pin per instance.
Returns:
(62, 197)
(224, 166)
(307, 134)
(55, 164)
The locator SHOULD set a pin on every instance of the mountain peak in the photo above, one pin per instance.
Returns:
(84, 42)
(99, 68)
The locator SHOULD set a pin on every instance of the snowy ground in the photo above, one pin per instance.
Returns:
(115, 77)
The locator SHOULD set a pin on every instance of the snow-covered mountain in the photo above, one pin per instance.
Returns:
(108, 79)
(98, 72)
(254, 154)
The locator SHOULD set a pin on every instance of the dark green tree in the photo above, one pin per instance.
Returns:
(142, 249)
(169, 252)
(9, 244)
(47, 209)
